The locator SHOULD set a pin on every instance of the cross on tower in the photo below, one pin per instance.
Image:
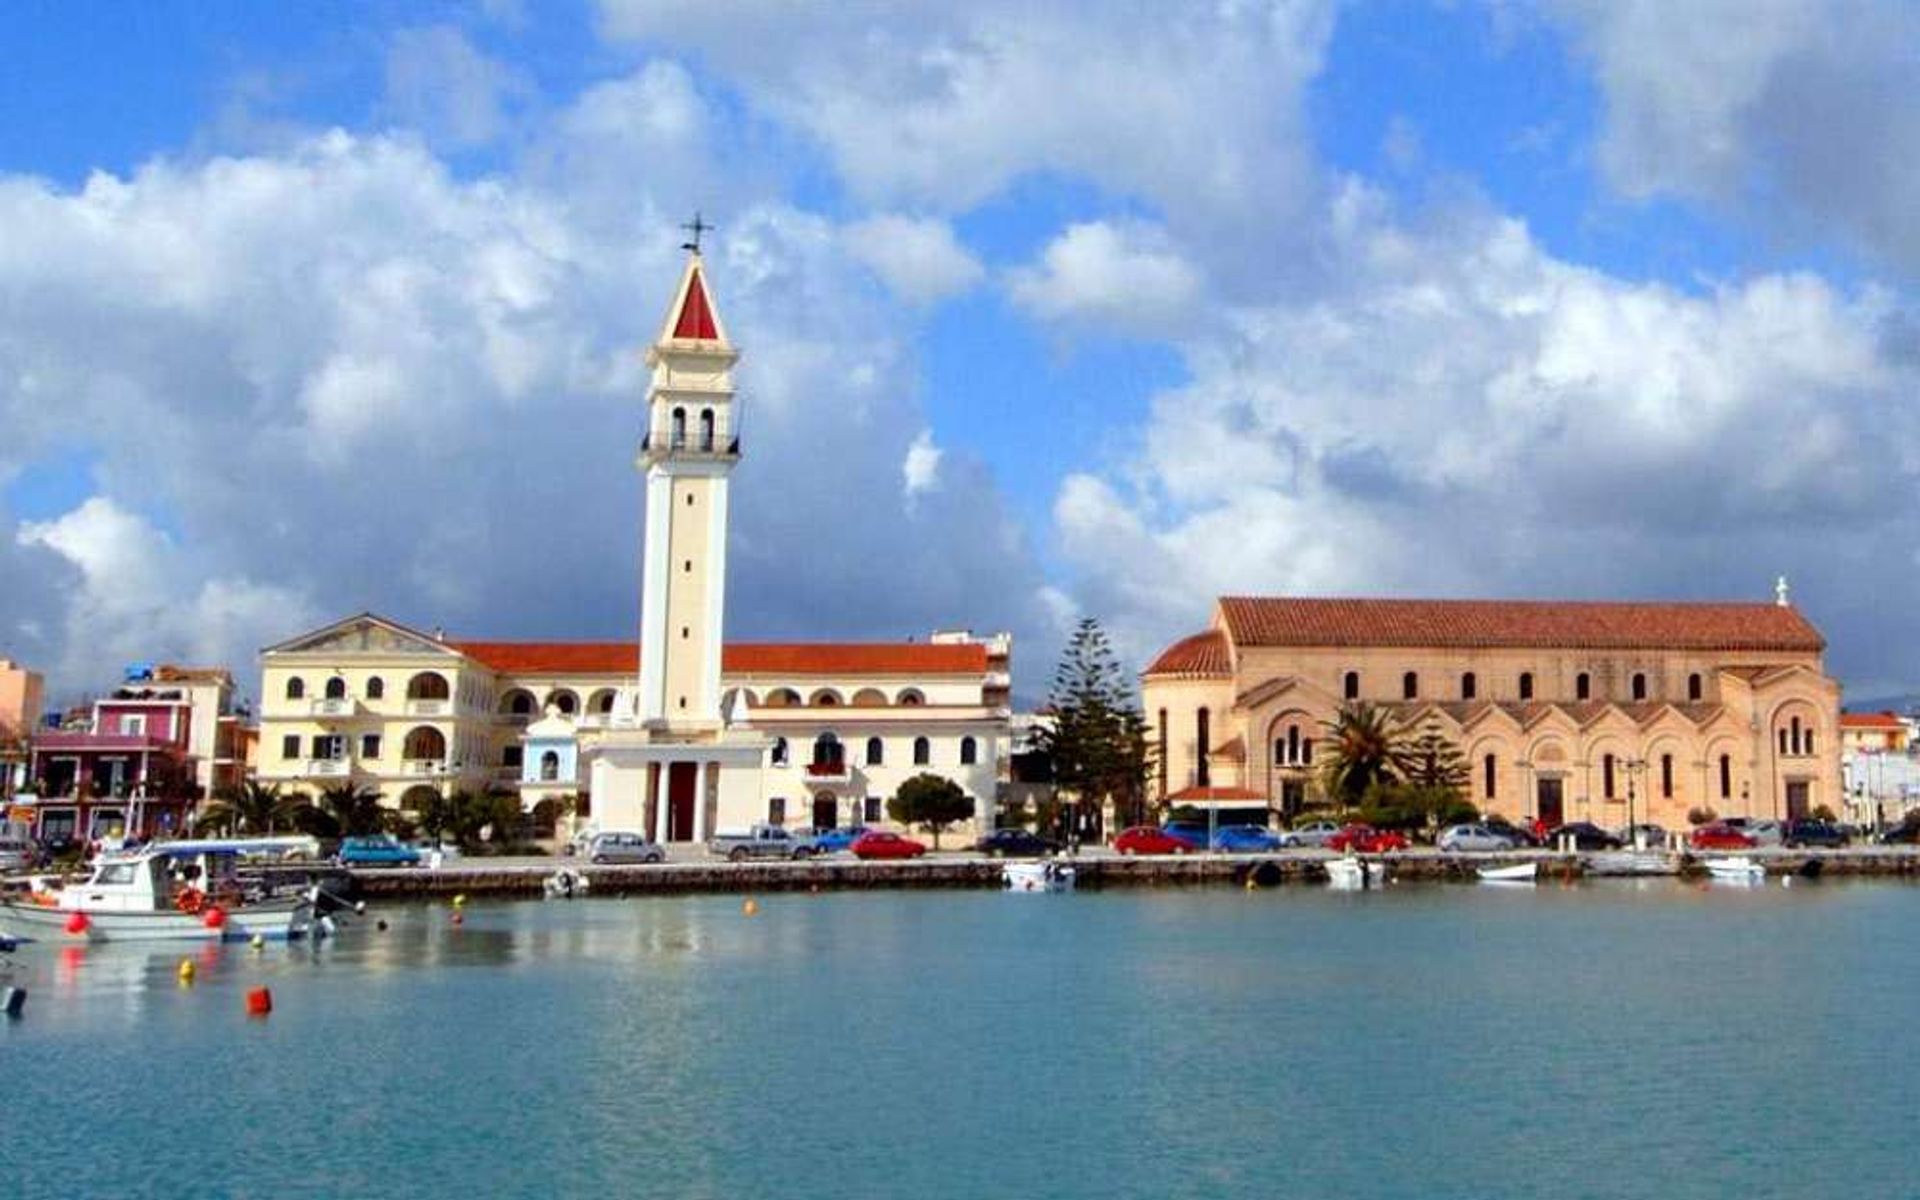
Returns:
(696, 227)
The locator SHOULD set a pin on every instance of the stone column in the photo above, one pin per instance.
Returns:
(657, 806)
(700, 801)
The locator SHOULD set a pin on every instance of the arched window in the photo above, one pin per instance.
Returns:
(424, 743)
(1469, 686)
(1806, 742)
(1666, 776)
(828, 752)
(1783, 740)
(706, 429)
(1526, 685)
(1694, 688)
(869, 698)
(1201, 734)
(550, 766)
(825, 698)
(1583, 686)
(565, 701)
(1606, 776)
(427, 686)
(783, 698)
(296, 688)
(1726, 777)
(911, 698)
(677, 439)
(1160, 764)
(1410, 686)
(876, 752)
(922, 752)
(969, 752)
(1794, 742)
(336, 688)
(1293, 743)
(1639, 685)
(779, 754)
(1350, 686)
(1489, 766)
(376, 688)
(602, 701)
(520, 704)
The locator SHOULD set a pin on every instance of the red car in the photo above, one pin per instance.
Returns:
(878, 843)
(1148, 839)
(1367, 840)
(1720, 836)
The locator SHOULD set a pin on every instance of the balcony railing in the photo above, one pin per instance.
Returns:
(429, 708)
(690, 446)
(328, 766)
(828, 772)
(333, 706)
(424, 766)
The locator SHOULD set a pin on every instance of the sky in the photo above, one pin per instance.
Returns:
(1046, 310)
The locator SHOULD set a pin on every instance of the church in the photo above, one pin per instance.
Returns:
(678, 733)
(1564, 710)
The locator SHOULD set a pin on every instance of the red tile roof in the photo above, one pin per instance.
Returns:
(752, 658)
(1517, 624)
(1202, 656)
(696, 319)
(1879, 720)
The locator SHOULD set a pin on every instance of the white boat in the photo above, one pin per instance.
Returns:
(1351, 872)
(565, 884)
(1516, 873)
(1046, 876)
(172, 891)
(1736, 870)
(1631, 862)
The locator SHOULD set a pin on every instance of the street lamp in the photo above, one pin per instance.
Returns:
(1634, 768)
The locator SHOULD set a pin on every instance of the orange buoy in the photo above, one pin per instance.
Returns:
(458, 919)
(751, 907)
(259, 1002)
(78, 924)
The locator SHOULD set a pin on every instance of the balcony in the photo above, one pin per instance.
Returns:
(688, 445)
(828, 772)
(334, 706)
(332, 768)
(424, 766)
(429, 708)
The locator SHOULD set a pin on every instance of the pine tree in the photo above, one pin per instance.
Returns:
(1433, 762)
(1098, 738)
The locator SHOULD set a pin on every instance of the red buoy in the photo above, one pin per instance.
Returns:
(78, 924)
(259, 1002)
(216, 918)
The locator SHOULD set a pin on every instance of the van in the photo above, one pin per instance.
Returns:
(17, 854)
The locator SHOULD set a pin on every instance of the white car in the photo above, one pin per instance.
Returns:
(16, 854)
(1313, 833)
(1472, 837)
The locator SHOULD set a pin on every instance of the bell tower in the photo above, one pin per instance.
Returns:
(687, 455)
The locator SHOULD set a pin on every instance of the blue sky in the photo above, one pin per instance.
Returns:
(1086, 308)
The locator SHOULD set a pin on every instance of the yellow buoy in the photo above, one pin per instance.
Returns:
(187, 970)
(259, 942)
(751, 907)
(460, 901)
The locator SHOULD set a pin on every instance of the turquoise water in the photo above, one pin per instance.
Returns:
(1604, 1040)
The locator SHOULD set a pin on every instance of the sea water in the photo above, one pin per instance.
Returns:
(1651, 1039)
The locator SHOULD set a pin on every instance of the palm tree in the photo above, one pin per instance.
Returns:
(356, 809)
(1367, 750)
(253, 807)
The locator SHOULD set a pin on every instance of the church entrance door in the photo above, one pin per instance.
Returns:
(826, 813)
(1552, 801)
(1797, 806)
(681, 777)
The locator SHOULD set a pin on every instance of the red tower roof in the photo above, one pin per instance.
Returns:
(695, 321)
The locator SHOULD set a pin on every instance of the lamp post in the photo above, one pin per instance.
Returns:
(1635, 766)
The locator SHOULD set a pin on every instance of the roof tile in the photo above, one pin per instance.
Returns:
(750, 658)
(1201, 656)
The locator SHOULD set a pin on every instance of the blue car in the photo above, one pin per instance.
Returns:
(831, 841)
(1246, 839)
(1190, 834)
(379, 850)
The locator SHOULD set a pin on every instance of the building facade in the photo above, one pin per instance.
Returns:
(1563, 711)
(677, 733)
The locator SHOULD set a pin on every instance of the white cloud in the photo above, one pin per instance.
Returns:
(920, 469)
(441, 84)
(1124, 276)
(919, 259)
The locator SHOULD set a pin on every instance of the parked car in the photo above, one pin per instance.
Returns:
(18, 854)
(1519, 835)
(1903, 834)
(881, 843)
(1015, 843)
(438, 853)
(1191, 834)
(376, 850)
(1367, 840)
(1246, 839)
(1148, 839)
(1809, 832)
(1651, 835)
(1586, 836)
(1472, 837)
(624, 846)
(1762, 831)
(1313, 833)
(832, 841)
(1721, 835)
(760, 841)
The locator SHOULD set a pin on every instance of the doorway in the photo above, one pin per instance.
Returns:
(681, 777)
(1293, 797)
(1798, 791)
(1551, 801)
(825, 812)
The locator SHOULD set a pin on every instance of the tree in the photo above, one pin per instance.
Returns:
(931, 800)
(1433, 761)
(1366, 751)
(1097, 740)
(343, 810)
(253, 807)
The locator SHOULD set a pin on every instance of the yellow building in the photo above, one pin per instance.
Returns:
(1564, 711)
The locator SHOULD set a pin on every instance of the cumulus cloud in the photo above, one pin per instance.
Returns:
(920, 470)
(1116, 276)
(439, 83)
(919, 259)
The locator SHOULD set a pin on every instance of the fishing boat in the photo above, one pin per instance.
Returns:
(1046, 876)
(1735, 870)
(1351, 872)
(1515, 873)
(172, 891)
(1631, 862)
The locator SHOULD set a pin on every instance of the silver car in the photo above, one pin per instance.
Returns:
(1762, 831)
(16, 855)
(617, 847)
(1313, 833)
(1472, 837)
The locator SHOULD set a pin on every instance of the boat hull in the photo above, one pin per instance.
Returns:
(1517, 873)
(1355, 873)
(273, 920)
(1631, 862)
(1037, 877)
(1735, 870)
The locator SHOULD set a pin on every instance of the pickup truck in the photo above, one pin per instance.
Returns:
(761, 841)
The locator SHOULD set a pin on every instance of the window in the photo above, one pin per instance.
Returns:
(1350, 686)
(1806, 743)
(677, 435)
(427, 686)
(779, 752)
(565, 701)
(969, 752)
(296, 688)
(1489, 766)
(290, 747)
(133, 724)
(1293, 750)
(520, 704)
(1201, 733)
(369, 745)
(1694, 689)
(1796, 735)
(828, 752)
(706, 429)
(550, 766)
(1639, 686)
(1469, 686)
(1606, 776)
(1583, 686)
(513, 756)
(1783, 740)
(777, 810)
(911, 698)
(1410, 686)
(1526, 685)
(336, 688)
(873, 809)
(1666, 776)
(876, 752)
(1726, 777)
(922, 752)
(1162, 755)
(329, 746)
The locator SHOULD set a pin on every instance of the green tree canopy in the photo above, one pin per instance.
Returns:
(1366, 750)
(931, 800)
(253, 807)
(1097, 738)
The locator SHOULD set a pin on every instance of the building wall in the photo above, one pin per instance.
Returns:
(22, 696)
